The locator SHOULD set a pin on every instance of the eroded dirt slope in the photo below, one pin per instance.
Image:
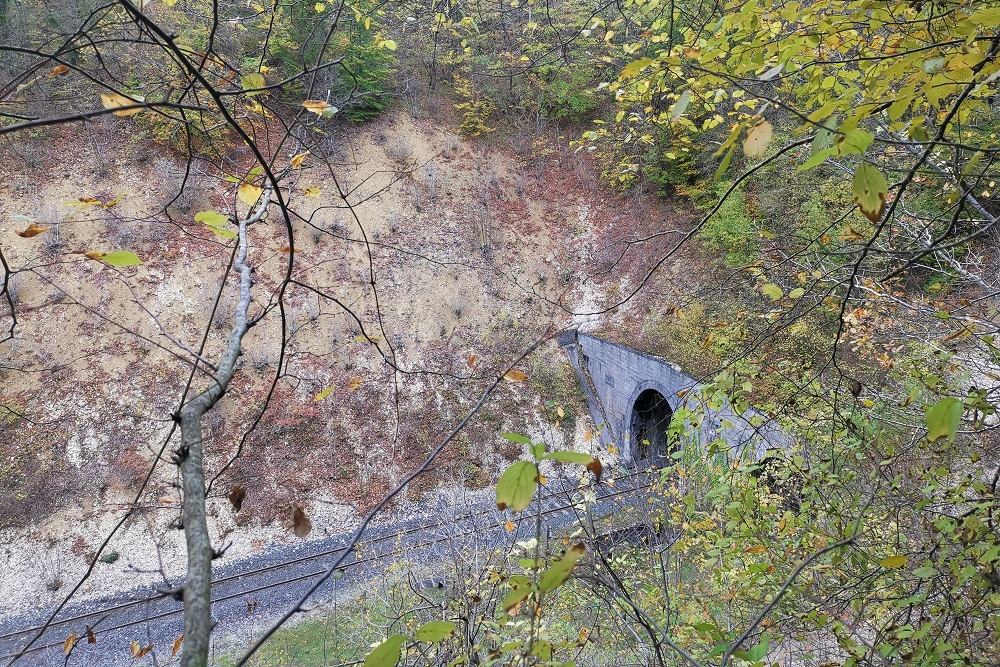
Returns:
(475, 250)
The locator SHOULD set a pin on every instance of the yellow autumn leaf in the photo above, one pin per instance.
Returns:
(258, 108)
(69, 643)
(248, 194)
(297, 160)
(34, 229)
(514, 375)
(893, 562)
(757, 139)
(319, 7)
(177, 645)
(312, 191)
(319, 107)
(354, 383)
(116, 101)
(253, 82)
(323, 394)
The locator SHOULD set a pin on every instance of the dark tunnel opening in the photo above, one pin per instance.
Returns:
(650, 419)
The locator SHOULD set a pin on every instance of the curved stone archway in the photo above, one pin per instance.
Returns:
(651, 414)
(632, 394)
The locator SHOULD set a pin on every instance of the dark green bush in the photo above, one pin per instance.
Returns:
(365, 77)
(570, 96)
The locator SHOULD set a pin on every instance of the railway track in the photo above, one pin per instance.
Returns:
(248, 592)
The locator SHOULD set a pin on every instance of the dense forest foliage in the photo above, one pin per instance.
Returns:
(833, 169)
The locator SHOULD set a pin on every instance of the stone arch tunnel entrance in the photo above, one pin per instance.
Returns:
(648, 425)
(632, 395)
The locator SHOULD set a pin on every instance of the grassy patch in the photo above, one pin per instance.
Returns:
(555, 382)
(341, 636)
(312, 643)
(731, 230)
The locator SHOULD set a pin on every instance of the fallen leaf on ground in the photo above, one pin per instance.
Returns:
(116, 101)
(138, 650)
(34, 229)
(514, 375)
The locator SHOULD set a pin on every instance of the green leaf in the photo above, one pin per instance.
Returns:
(517, 595)
(724, 165)
(943, 419)
(434, 631)
(933, 65)
(816, 159)
(216, 222)
(570, 457)
(387, 653)
(253, 81)
(516, 438)
(759, 651)
(870, 190)
(559, 571)
(542, 650)
(899, 107)
(121, 258)
(854, 142)
(971, 164)
(634, 67)
(893, 562)
(718, 649)
(925, 572)
(681, 105)
(824, 136)
(918, 130)
(517, 486)
(772, 291)
(986, 18)
(211, 218)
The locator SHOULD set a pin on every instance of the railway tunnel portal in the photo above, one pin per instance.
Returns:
(634, 398)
